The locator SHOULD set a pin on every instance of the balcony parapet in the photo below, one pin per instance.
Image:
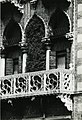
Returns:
(55, 81)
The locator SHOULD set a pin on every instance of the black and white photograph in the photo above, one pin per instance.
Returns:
(40, 59)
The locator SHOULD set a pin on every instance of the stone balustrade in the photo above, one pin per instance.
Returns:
(55, 81)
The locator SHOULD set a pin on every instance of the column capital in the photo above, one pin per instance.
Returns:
(47, 42)
(69, 35)
(33, 3)
(23, 46)
(2, 51)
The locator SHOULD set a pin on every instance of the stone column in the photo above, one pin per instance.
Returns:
(23, 46)
(47, 57)
(24, 61)
(2, 64)
(24, 51)
(48, 49)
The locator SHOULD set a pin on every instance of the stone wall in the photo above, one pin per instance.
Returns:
(77, 113)
(79, 46)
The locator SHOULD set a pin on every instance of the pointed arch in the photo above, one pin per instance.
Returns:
(35, 31)
(12, 32)
(40, 18)
(68, 19)
(60, 22)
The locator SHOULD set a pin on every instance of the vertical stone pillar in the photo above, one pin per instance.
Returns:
(48, 49)
(48, 57)
(24, 56)
(23, 45)
(24, 61)
(2, 64)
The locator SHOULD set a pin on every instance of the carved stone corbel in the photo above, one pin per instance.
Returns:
(66, 99)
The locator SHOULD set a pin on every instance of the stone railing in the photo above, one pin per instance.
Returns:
(37, 83)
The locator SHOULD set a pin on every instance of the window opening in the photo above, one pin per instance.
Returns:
(15, 66)
(61, 59)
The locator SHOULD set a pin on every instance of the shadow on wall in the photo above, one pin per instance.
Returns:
(33, 107)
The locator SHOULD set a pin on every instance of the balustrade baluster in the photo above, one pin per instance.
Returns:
(0, 87)
(61, 78)
(11, 86)
(44, 82)
(29, 86)
(14, 85)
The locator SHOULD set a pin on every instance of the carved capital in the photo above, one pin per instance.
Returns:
(47, 42)
(23, 46)
(69, 36)
(69, 0)
(33, 3)
(2, 51)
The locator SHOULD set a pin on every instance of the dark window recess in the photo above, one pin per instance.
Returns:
(61, 61)
(9, 66)
(15, 66)
(52, 59)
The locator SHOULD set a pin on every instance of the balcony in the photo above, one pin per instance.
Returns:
(55, 81)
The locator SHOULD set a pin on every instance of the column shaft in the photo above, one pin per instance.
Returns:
(24, 62)
(2, 66)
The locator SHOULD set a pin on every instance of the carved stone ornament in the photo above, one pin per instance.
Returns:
(69, 0)
(66, 99)
(33, 3)
(69, 36)
(16, 3)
